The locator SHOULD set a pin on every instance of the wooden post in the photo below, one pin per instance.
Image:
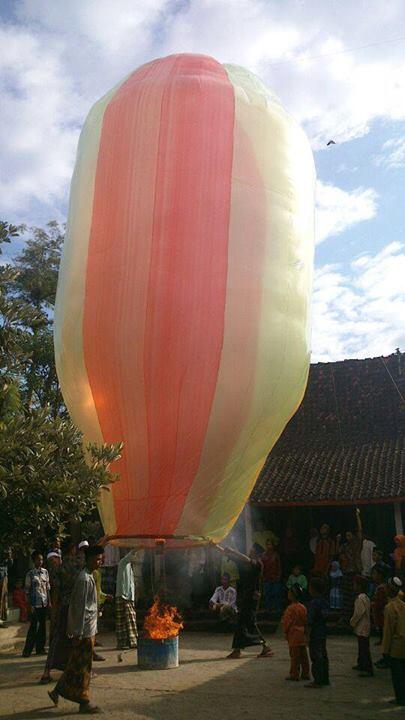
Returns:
(248, 527)
(399, 527)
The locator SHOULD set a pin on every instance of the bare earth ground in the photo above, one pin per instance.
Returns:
(206, 686)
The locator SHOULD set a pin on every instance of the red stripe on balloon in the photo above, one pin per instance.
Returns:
(155, 295)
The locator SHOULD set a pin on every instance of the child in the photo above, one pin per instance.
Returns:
(360, 622)
(294, 624)
(317, 610)
(20, 600)
(335, 595)
(297, 578)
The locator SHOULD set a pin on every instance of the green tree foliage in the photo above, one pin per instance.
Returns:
(44, 479)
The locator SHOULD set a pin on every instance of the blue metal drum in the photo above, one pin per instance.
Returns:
(158, 654)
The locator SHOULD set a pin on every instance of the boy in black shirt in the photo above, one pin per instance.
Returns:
(317, 610)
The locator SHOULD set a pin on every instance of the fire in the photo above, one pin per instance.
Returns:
(162, 621)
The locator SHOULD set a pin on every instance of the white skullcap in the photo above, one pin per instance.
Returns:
(83, 544)
(52, 554)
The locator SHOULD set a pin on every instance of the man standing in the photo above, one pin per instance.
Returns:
(272, 578)
(125, 615)
(394, 637)
(324, 551)
(37, 590)
(82, 627)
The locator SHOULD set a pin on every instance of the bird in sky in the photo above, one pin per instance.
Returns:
(331, 142)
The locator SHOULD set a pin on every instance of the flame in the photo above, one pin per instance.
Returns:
(162, 621)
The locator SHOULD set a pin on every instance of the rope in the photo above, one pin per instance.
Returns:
(296, 60)
(393, 381)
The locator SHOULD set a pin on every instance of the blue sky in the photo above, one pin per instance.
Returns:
(337, 66)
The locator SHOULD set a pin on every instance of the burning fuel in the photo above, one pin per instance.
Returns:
(162, 621)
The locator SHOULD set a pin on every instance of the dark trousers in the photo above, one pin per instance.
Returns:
(273, 595)
(397, 666)
(320, 661)
(364, 661)
(36, 632)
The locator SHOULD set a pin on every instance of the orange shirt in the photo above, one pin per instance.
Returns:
(294, 624)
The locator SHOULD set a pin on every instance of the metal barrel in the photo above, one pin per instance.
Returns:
(158, 654)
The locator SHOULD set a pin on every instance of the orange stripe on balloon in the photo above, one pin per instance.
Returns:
(153, 347)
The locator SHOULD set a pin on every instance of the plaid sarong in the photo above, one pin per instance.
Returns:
(125, 623)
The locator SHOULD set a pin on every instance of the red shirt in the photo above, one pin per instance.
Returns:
(294, 624)
(271, 566)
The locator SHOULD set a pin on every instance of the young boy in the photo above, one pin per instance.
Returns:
(360, 622)
(297, 578)
(317, 609)
(294, 624)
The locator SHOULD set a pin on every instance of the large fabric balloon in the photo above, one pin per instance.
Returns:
(181, 324)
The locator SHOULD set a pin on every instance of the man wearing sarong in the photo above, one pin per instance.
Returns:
(247, 634)
(125, 615)
(61, 645)
(82, 627)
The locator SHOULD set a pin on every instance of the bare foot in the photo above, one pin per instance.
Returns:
(235, 655)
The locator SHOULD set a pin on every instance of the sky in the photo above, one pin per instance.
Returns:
(338, 67)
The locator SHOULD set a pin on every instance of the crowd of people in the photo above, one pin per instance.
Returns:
(379, 600)
(349, 575)
(66, 588)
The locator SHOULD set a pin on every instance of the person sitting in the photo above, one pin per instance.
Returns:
(20, 600)
(297, 577)
(223, 600)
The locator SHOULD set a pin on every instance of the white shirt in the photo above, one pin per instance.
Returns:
(83, 611)
(360, 620)
(367, 557)
(224, 597)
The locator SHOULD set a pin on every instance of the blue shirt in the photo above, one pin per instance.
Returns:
(37, 587)
(317, 612)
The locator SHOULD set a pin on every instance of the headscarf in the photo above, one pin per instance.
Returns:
(335, 571)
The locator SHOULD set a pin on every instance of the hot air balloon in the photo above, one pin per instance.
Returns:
(182, 312)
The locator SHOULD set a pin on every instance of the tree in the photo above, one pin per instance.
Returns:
(44, 478)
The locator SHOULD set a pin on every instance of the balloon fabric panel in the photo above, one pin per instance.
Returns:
(153, 348)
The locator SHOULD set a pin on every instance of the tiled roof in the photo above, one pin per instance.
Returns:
(346, 442)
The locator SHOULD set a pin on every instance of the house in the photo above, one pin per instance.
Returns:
(342, 449)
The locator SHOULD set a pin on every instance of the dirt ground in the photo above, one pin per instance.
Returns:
(205, 687)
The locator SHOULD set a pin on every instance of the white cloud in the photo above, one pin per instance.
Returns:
(360, 314)
(337, 209)
(392, 153)
(58, 58)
